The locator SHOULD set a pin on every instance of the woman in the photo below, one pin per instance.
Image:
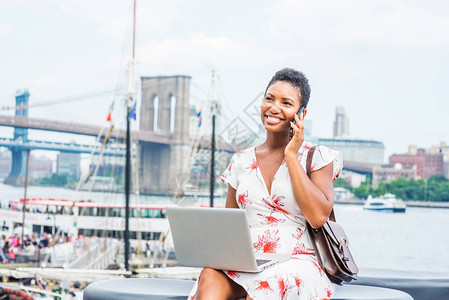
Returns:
(270, 182)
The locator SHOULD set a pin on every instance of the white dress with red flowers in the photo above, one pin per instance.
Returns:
(278, 226)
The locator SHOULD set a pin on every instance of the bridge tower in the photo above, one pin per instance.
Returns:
(164, 109)
(18, 166)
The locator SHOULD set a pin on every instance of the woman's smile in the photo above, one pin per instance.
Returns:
(272, 120)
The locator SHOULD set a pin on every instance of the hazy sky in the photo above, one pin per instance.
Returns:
(385, 62)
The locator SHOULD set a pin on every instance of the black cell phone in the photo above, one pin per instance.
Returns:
(298, 113)
(301, 109)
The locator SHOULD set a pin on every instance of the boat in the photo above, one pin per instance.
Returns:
(387, 202)
(83, 217)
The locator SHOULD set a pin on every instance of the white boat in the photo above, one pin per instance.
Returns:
(387, 202)
(83, 217)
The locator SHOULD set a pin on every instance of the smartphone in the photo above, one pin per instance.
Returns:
(298, 113)
(301, 109)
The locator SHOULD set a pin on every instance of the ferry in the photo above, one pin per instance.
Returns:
(387, 202)
(83, 217)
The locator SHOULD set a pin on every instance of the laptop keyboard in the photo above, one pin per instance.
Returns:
(262, 261)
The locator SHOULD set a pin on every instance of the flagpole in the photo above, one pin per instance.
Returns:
(212, 148)
(129, 98)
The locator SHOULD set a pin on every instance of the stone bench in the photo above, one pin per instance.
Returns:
(421, 285)
(165, 289)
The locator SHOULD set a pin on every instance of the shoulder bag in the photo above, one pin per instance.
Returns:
(331, 245)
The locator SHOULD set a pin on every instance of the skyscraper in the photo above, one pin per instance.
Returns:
(341, 123)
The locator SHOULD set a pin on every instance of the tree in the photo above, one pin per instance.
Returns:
(362, 191)
(340, 182)
(55, 179)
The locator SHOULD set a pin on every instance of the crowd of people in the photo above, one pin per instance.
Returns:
(11, 246)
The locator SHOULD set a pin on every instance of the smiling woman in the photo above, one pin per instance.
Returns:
(270, 182)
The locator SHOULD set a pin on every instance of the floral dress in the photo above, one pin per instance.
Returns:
(278, 226)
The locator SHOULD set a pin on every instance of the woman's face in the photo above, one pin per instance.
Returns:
(281, 103)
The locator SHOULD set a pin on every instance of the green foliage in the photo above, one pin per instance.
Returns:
(410, 190)
(55, 179)
(362, 191)
(340, 182)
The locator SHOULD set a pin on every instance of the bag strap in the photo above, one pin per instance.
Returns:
(309, 173)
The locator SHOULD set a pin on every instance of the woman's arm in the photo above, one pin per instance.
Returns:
(315, 196)
(231, 201)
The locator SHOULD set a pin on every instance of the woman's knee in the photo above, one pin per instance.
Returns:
(209, 277)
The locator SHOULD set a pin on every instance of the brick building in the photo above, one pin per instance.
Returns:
(427, 163)
(389, 173)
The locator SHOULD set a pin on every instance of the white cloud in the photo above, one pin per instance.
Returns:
(197, 49)
(370, 22)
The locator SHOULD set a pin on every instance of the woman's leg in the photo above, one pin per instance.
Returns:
(214, 284)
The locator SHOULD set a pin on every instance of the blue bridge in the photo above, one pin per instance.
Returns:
(163, 142)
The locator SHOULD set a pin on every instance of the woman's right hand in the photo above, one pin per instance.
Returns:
(297, 139)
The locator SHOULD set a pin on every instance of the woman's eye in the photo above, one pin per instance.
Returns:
(287, 103)
(268, 99)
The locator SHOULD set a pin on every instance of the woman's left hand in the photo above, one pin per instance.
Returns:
(298, 136)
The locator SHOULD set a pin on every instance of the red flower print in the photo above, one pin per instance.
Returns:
(274, 203)
(298, 282)
(268, 242)
(269, 220)
(328, 292)
(284, 161)
(240, 152)
(233, 274)
(283, 287)
(264, 286)
(335, 176)
(317, 266)
(312, 168)
(301, 249)
(307, 146)
(253, 166)
(300, 232)
(191, 297)
(242, 200)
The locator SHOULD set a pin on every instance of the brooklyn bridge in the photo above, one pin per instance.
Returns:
(163, 141)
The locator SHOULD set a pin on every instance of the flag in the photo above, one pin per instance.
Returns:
(132, 111)
(111, 108)
(200, 118)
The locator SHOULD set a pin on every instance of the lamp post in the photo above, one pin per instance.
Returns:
(212, 147)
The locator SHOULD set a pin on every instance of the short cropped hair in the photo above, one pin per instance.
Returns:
(297, 79)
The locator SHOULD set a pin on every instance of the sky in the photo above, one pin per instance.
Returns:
(384, 61)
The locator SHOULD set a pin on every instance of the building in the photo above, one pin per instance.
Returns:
(40, 167)
(427, 163)
(357, 150)
(5, 163)
(388, 173)
(341, 123)
(444, 149)
(69, 165)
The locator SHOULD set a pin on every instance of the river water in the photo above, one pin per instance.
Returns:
(417, 240)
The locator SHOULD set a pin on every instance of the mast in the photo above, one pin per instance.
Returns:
(129, 100)
(212, 147)
(25, 196)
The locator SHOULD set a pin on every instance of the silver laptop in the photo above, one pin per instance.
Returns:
(218, 238)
